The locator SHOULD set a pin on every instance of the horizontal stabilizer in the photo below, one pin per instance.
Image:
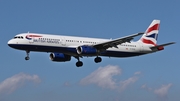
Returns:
(161, 47)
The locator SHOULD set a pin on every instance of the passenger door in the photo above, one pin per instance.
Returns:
(63, 41)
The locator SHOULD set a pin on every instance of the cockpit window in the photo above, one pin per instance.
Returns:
(15, 37)
(18, 37)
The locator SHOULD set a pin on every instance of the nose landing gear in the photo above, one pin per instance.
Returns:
(27, 55)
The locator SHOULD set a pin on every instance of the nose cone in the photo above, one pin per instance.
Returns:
(10, 43)
(14, 44)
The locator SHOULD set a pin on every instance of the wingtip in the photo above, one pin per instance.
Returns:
(172, 42)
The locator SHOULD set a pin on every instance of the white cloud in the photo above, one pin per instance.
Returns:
(124, 84)
(103, 77)
(11, 84)
(146, 87)
(163, 90)
(127, 82)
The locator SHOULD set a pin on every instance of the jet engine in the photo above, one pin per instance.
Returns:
(86, 50)
(59, 57)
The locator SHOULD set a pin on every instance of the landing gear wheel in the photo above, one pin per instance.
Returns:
(27, 58)
(27, 55)
(79, 63)
(97, 59)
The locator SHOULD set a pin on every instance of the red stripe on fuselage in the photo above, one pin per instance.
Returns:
(34, 36)
(155, 27)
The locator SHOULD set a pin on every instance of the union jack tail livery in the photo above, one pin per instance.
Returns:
(151, 34)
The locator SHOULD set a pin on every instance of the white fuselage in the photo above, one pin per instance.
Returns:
(68, 45)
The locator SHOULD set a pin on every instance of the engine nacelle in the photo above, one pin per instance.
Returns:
(59, 57)
(86, 50)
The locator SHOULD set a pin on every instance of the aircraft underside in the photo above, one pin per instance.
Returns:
(71, 52)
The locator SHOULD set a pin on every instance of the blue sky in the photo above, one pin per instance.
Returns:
(149, 77)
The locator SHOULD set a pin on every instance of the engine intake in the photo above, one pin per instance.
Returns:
(59, 57)
(86, 50)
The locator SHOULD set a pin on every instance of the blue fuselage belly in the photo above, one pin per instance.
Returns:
(67, 50)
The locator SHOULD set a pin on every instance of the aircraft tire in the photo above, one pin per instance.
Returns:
(27, 58)
(97, 59)
(79, 63)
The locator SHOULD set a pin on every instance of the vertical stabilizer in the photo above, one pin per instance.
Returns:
(151, 34)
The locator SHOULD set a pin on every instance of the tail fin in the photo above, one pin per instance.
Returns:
(151, 34)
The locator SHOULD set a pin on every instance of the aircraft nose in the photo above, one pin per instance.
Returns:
(10, 42)
(13, 44)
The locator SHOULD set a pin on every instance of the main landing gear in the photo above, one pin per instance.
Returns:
(80, 63)
(27, 55)
(97, 59)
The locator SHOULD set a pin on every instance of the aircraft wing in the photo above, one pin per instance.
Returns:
(115, 42)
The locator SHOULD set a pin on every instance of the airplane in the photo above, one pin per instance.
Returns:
(62, 48)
